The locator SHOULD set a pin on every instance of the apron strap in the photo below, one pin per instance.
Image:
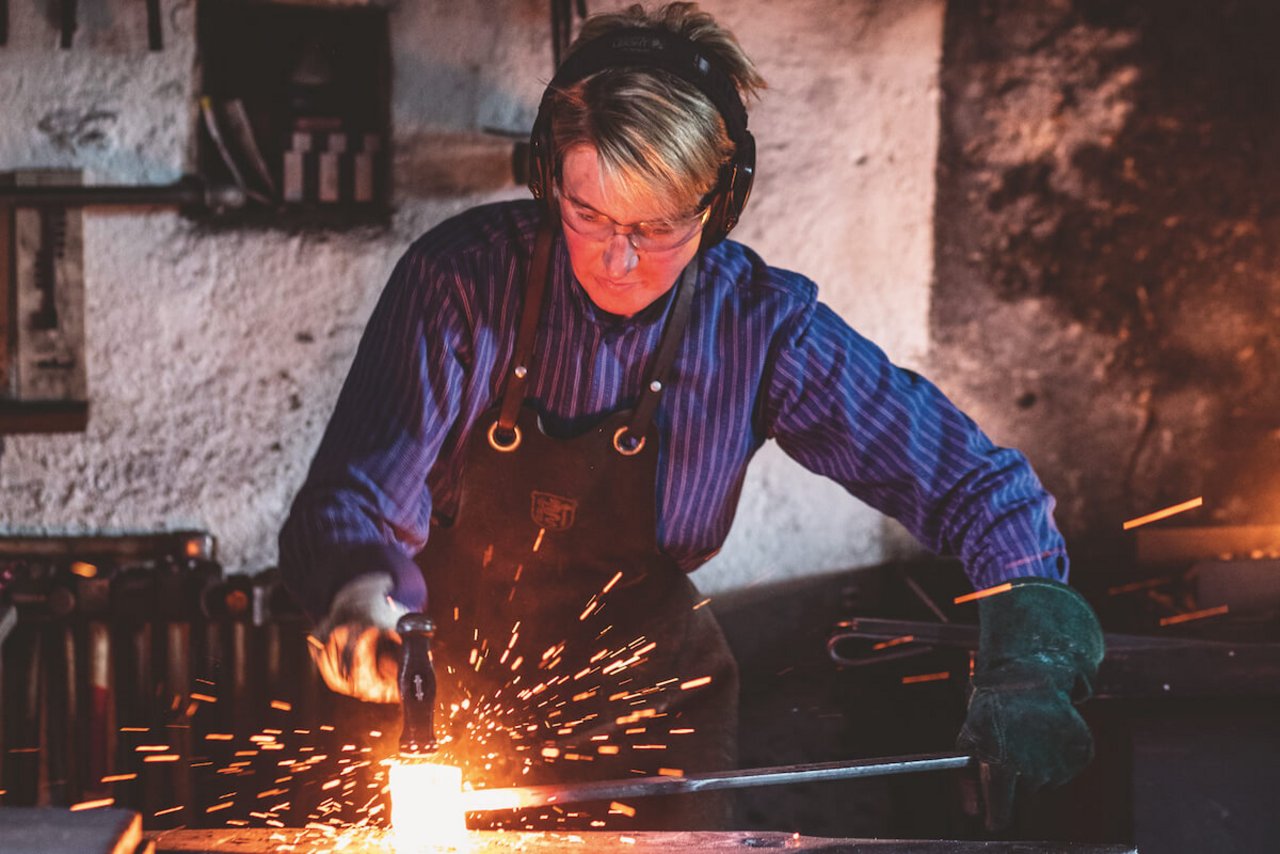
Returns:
(671, 338)
(504, 435)
(534, 291)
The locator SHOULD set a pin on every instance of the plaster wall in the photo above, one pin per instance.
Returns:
(214, 356)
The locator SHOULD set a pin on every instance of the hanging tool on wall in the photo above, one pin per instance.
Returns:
(53, 241)
(562, 25)
(155, 39)
(67, 22)
(213, 123)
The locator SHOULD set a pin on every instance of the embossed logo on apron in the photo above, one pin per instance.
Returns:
(553, 512)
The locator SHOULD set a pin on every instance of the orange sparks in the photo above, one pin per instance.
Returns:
(612, 581)
(92, 805)
(616, 808)
(219, 736)
(537, 544)
(151, 748)
(221, 806)
(166, 811)
(1165, 513)
(1193, 615)
(550, 752)
(648, 747)
(1137, 585)
(895, 642)
(670, 772)
(703, 603)
(119, 778)
(282, 705)
(926, 677)
(695, 683)
(135, 729)
(204, 698)
(681, 731)
(982, 594)
(162, 757)
(84, 570)
(636, 717)
(607, 750)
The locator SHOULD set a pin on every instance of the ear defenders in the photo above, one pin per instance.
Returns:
(659, 49)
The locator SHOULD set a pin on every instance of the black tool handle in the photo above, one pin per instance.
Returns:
(155, 36)
(417, 684)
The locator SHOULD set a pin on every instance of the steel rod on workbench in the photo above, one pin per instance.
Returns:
(489, 800)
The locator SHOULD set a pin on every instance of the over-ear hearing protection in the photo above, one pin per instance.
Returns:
(654, 48)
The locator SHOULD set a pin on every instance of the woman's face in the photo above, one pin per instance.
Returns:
(618, 277)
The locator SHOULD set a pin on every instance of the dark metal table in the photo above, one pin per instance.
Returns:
(359, 841)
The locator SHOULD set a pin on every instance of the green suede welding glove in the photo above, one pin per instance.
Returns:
(1039, 650)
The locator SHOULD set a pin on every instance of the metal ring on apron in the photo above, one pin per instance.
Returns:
(506, 449)
(617, 446)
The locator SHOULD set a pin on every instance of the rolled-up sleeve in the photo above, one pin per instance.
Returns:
(838, 406)
(365, 506)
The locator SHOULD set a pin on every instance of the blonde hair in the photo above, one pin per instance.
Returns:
(656, 135)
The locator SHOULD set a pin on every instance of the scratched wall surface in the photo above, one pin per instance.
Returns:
(214, 355)
(1107, 226)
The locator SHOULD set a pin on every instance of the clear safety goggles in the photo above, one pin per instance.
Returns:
(659, 235)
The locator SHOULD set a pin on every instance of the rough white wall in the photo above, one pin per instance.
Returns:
(215, 357)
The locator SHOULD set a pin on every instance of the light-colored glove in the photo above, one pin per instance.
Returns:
(356, 646)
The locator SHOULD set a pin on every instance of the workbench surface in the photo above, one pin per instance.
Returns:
(298, 841)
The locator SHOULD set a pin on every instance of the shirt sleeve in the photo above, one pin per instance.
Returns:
(364, 506)
(840, 408)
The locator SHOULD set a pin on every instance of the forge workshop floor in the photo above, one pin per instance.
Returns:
(360, 841)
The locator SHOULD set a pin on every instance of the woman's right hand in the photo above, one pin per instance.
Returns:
(355, 646)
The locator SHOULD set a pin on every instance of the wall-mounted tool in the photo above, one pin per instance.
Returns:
(67, 22)
(155, 38)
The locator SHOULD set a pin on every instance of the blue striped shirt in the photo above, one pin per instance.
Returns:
(761, 359)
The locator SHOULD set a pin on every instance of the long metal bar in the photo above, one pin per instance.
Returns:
(488, 800)
(188, 192)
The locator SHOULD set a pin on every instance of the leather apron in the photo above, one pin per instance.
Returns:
(569, 647)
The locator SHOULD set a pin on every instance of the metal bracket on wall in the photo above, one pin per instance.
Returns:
(42, 367)
(42, 343)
